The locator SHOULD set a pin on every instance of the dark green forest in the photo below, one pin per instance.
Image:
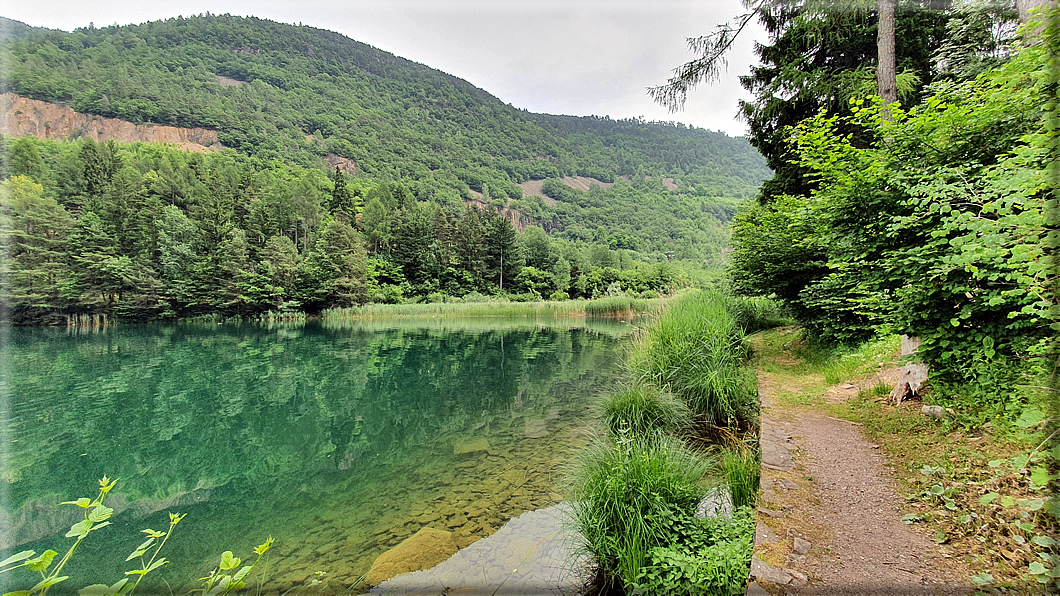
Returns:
(432, 210)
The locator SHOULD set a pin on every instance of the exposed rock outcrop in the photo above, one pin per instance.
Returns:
(21, 116)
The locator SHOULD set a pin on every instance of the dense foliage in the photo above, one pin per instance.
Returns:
(936, 229)
(144, 231)
(820, 55)
(642, 499)
(296, 93)
(433, 209)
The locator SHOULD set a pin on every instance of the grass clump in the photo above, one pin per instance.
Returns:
(697, 352)
(635, 504)
(617, 306)
(742, 466)
(645, 411)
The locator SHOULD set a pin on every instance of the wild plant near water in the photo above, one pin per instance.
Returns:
(620, 487)
(97, 516)
(635, 503)
(645, 411)
(743, 470)
(696, 351)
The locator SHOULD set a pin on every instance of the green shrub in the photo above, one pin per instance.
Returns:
(707, 556)
(621, 488)
(754, 314)
(644, 411)
(697, 352)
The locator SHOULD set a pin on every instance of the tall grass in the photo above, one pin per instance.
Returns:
(621, 488)
(541, 309)
(743, 471)
(618, 306)
(644, 412)
(754, 314)
(697, 352)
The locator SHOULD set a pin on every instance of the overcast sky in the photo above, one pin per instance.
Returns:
(578, 57)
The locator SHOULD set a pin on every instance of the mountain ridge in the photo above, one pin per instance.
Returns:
(300, 93)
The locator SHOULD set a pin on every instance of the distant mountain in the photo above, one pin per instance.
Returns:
(304, 95)
(252, 207)
(11, 30)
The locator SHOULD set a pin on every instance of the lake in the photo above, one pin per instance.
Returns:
(338, 439)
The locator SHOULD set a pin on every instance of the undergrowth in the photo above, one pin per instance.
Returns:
(983, 484)
(637, 491)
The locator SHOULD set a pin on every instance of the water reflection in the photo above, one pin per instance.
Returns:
(338, 439)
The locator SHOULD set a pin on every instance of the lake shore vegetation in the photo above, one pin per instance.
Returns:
(681, 437)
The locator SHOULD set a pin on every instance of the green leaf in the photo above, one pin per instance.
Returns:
(83, 502)
(139, 552)
(100, 513)
(48, 581)
(940, 537)
(156, 565)
(229, 561)
(242, 573)
(1007, 501)
(15, 558)
(40, 564)
(1033, 504)
(1030, 416)
(221, 585)
(937, 489)
(983, 579)
(95, 590)
(1040, 476)
(911, 518)
(1044, 541)
(1036, 568)
(19, 593)
(988, 498)
(80, 529)
(1026, 526)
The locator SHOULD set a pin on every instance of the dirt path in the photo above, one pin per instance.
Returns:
(830, 520)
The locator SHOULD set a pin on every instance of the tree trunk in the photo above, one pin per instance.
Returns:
(1024, 7)
(886, 75)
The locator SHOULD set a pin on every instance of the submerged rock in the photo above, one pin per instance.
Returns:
(471, 446)
(422, 550)
(535, 429)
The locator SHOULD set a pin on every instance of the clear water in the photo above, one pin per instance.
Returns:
(339, 440)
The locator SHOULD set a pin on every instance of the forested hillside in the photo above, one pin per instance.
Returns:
(295, 93)
(348, 175)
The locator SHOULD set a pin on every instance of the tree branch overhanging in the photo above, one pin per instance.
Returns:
(708, 67)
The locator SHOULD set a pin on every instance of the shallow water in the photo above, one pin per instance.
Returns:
(339, 440)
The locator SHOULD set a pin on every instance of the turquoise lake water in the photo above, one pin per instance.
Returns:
(337, 439)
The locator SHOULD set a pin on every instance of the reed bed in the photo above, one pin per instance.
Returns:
(90, 321)
(605, 307)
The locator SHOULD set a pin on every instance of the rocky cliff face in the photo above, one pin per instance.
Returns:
(21, 117)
